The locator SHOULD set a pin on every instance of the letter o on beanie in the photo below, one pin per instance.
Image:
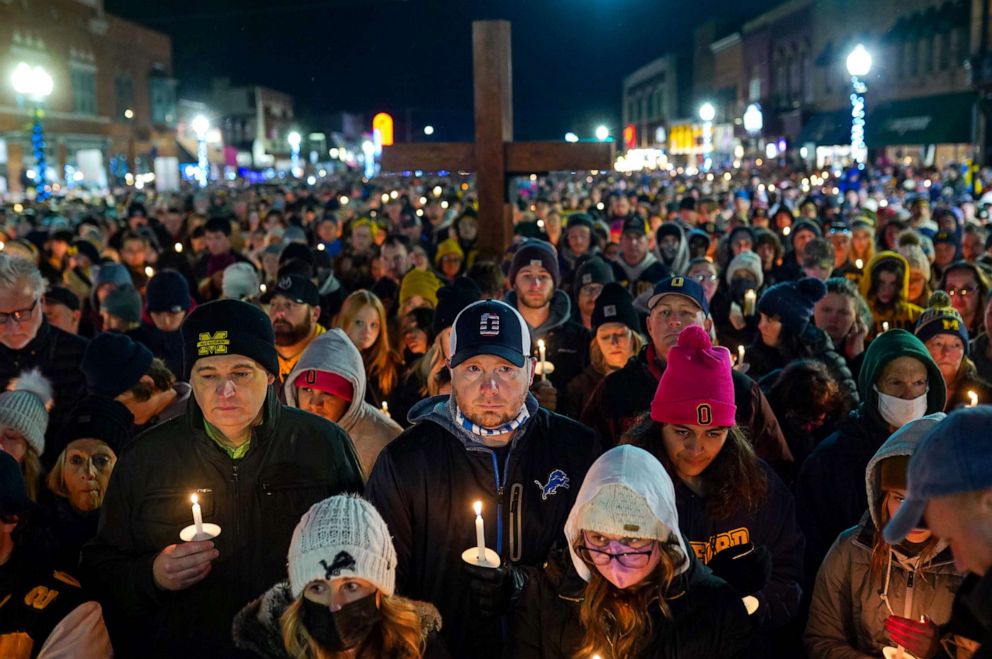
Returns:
(229, 327)
(343, 537)
(697, 387)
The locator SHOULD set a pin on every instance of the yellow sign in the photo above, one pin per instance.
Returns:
(212, 344)
(383, 123)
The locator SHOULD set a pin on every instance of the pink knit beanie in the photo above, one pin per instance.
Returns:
(696, 387)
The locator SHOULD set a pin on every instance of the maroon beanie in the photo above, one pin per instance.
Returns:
(697, 387)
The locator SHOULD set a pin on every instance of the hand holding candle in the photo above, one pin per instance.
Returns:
(740, 354)
(750, 298)
(542, 352)
(198, 530)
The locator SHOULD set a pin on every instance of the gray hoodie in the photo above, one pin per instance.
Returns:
(849, 605)
(369, 429)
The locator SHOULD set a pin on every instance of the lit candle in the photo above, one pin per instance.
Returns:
(385, 408)
(740, 354)
(750, 297)
(179, 248)
(480, 531)
(885, 326)
(149, 271)
(786, 231)
(197, 515)
(859, 264)
(542, 351)
(262, 287)
(972, 398)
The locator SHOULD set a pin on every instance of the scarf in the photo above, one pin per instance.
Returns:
(502, 429)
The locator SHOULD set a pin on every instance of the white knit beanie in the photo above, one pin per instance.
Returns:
(240, 281)
(338, 538)
(748, 261)
(618, 510)
(24, 407)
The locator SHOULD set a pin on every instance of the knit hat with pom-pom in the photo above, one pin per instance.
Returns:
(941, 318)
(697, 387)
(24, 408)
(792, 302)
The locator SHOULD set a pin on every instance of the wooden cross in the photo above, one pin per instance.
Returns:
(494, 156)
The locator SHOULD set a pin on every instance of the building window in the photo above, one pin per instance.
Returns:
(123, 94)
(163, 99)
(83, 91)
(754, 86)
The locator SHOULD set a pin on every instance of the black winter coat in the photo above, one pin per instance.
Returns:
(707, 619)
(424, 484)
(58, 354)
(295, 459)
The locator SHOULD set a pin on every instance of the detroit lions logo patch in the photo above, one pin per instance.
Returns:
(556, 479)
(343, 561)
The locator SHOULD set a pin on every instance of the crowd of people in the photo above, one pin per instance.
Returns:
(725, 414)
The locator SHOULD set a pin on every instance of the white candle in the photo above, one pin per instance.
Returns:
(385, 408)
(859, 264)
(179, 248)
(786, 231)
(542, 351)
(480, 531)
(972, 398)
(149, 271)
(197, 515)
(750, 297)
(885, 326)
(740, 354)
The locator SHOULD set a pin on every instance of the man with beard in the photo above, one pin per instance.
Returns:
(547, 311)
(488, 442)
(294, 306)
(637, 269)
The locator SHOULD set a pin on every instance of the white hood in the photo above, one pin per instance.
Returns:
(639, 471)
(333, 352)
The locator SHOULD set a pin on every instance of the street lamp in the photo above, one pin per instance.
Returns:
(707, 113)
(294, 139)
(428, 130)
(200, 126)
(602, 133)
(571, 137)
(34, 83)
(858, 66)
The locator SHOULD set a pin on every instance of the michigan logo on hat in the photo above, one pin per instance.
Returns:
(212, 344)
(285, 283)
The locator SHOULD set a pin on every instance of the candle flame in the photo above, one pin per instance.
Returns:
(478, 507)
(385, 406)
(179, 247)
(973, 397)
(859, 264)
(194, 499)
(540, 344)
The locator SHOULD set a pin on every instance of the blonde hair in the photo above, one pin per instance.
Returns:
(31, 470)
(398, 635)
(617, 623)
(431, 366)
(880, 550)
(379, 360)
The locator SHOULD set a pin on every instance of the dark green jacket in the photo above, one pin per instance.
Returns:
(295, 459)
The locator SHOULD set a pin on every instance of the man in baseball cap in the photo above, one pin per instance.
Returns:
(294, 307)
(950, 492)
(465, 441)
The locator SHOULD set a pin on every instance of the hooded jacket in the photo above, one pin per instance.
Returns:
(680, 263)
(849, 606)
(901, 313)
(294, 460)
(830, 492)
(707, 618)
(370, 430)
(257, 627)
(641, 277)
(566, 341)
(424, 484)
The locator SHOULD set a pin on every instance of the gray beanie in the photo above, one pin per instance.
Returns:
(240, 281)
(24, 407)
(125, 303)
(342, 537)
(748, 261)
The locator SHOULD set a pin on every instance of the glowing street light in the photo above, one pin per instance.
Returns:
(858, 66)
(295, 139)
(428, 130)
(707, 113)
(602, 133)
(753, 119)
(201, 126)
(572, 137)
(35, 84)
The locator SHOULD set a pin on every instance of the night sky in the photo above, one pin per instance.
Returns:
(413, 58)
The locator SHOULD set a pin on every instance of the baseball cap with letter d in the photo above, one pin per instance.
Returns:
(490, 327)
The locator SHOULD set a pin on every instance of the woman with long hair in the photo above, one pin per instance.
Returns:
(870, 594)
(339, 601)
(738, 516)
(363, 319)
(629, 585)
(615, 339)
(943, 332)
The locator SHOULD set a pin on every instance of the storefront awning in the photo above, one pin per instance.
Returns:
(827, 129)
(940, 119)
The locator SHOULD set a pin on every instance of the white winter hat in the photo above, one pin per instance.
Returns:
(240, 281)
(24, 407)
(338, 538)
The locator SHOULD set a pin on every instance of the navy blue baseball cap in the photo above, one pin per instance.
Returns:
(490, 327)
(954, 457)
(680, 285)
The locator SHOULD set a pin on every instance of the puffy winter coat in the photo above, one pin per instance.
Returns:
(426, 480)
(849, 606)
(368, 427)
(294, 460)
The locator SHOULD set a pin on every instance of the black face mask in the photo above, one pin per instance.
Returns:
(738, 287)
(343, 629)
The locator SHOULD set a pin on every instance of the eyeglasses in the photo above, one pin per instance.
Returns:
(964, 291)
(702, 279)
(18, 316)
(634, 559)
